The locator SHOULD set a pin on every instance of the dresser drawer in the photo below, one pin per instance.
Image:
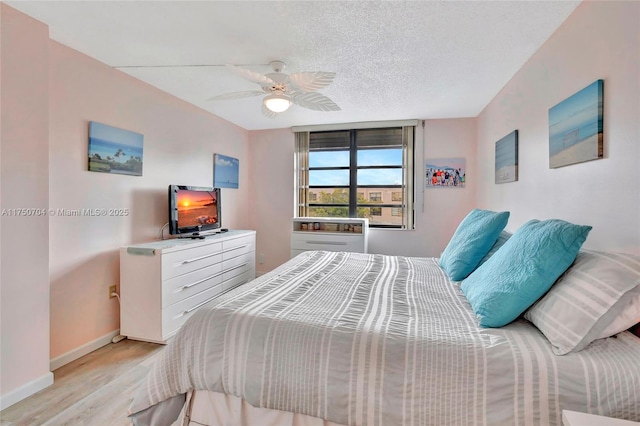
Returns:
(175, 315)
(184, 261)
(237, 247)
(329, 242)
(186, 285)
(243, 278)
(237, 265)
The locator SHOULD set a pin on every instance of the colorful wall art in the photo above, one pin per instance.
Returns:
(445, 173)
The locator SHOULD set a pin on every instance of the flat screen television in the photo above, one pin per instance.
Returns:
(193, 210)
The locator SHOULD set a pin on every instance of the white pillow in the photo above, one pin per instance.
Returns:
(629, 317)
(595, 298)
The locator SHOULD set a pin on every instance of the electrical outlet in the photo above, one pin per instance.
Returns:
(261, 258)
(112, 289)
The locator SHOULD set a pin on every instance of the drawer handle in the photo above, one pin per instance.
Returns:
(329, 243)
(195, 259)
(236, 267)
(188, 311)
(234, 248)
(184, 287)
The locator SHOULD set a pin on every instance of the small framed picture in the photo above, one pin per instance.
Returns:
(445, 173)
(575, 127)
(506, 166)
(225, 171)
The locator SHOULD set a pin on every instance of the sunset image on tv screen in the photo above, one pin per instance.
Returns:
(197, 208)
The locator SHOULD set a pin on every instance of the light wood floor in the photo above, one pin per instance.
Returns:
(93, 390)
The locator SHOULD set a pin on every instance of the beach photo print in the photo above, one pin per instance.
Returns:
(575, 127)
(114, 150)
(445, 173)
(507, 158)
(225, 171)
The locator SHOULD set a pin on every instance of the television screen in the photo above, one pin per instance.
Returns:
(193, 209)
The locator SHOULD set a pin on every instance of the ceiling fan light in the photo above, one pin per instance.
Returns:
(277, 103)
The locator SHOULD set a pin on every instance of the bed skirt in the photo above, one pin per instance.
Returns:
(218, 409)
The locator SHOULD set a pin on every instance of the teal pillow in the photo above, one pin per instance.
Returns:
(523, 270)
(502, 238)
(473, 239)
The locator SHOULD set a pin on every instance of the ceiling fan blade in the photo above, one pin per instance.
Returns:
(236, 95)
(311, 81)
(268, 113)
(314, 101)
(250, 75)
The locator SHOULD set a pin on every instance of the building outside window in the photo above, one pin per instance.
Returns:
(375, 197)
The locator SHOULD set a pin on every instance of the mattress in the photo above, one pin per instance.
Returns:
(367, 339)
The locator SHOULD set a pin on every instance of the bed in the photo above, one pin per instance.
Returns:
(335, 338)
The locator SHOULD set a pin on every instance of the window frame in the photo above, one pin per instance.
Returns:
(407, 167)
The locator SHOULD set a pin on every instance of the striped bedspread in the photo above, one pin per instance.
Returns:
(383, 340)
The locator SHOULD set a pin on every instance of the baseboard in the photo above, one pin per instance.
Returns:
(26, 390)
(81, 351)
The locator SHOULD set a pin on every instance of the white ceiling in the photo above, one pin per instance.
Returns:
(394, 60)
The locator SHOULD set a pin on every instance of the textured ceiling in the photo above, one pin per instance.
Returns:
(393, 60)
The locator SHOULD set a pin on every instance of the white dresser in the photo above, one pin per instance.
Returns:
(331, 234)
(162, 283)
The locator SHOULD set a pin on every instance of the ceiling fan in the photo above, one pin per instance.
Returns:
(282, 89)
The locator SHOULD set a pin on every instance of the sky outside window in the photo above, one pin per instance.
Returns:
(369, 157)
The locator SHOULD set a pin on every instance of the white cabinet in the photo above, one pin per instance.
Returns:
(162, 283)
(331, 234)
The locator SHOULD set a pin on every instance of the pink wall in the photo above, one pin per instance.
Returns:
(56, 270)
(444, 208)
(600, 40)
(179, 143)
(24, 168)
(272, 195)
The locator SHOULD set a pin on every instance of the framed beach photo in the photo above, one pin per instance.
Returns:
(506, 166)
(225, 171)
(114, 150)
(575, 127)
(445, 173)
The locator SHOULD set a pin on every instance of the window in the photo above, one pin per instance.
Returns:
(375, 197)
(357, 173)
